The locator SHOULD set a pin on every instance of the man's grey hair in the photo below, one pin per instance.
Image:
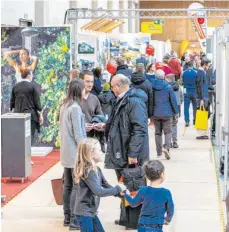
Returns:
(170, 77)
(160, 74)
(120, 61)
(123, 80)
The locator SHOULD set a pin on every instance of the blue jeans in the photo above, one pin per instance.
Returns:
(189, 98)
(149, 229)
(90, 224)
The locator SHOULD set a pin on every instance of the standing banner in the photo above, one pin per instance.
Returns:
(46, 51)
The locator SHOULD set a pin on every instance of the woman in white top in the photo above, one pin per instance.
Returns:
(24, 58)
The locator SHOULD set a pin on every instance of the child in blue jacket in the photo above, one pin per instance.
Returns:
(156, 201)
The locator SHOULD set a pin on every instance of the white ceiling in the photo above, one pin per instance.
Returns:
(184, 1)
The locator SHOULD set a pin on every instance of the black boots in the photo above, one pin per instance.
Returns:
(175, 145)
(66, 220)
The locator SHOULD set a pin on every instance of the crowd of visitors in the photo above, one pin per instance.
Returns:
(113, 118)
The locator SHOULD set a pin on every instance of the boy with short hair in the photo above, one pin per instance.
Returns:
(155, 200)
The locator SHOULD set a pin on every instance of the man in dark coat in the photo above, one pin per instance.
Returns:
(202, 88)
(127, 126)
(139, 81)
(127, 130)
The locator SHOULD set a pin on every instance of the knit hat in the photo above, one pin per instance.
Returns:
(106, 87)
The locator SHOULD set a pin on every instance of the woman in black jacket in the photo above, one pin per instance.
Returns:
(25, 99)
(139, 81)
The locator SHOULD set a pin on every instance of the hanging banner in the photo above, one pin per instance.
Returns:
(46, 51)
(152, 27)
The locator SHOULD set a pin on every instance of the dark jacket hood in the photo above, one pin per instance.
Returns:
(106, 97)
(137, 78)
(174, 85)
(138, 93)
(159, 84)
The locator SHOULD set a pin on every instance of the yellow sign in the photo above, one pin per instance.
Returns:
(151, 27)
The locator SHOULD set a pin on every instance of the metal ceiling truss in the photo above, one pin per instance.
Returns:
(74, 14)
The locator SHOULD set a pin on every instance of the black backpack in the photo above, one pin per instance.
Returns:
(134, 178)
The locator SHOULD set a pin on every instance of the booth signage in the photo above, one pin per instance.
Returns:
(151, 28)
(159, 22)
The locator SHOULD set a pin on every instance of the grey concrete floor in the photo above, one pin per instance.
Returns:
(190, 175)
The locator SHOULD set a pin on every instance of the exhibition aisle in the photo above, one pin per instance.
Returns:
(190, 175)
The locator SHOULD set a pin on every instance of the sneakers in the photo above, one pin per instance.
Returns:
(73, 224)
(166, 153)
(202, 137)
(175, 145)
(187, 124)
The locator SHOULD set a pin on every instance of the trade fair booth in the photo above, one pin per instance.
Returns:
(220, 51)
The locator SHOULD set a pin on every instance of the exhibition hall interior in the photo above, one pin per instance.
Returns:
(115, 115)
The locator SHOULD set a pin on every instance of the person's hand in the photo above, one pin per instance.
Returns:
(176, 117)
(202, 103)
(150, 122)
(166, 223)
(41, 119)
(89, 127)
(126, 192)
(122, 187)
(99, 126)
(132, 160)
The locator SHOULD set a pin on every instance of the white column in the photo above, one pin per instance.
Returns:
(83, 4)
(125, 25)
(72, 4)
(39, 13)
(121, 7)
(130, 24)
(218, 89)
(137, 21)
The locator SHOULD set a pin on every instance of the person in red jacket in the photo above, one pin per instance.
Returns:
(175, 66)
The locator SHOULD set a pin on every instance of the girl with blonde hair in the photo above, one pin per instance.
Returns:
(90, 186)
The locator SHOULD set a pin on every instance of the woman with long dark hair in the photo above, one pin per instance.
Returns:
(72, 131)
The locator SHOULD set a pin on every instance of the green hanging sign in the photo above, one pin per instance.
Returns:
(159, 22)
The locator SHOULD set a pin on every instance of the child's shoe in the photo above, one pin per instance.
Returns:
(74, 225)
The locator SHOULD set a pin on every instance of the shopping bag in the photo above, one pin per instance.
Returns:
(57, 188)
(201, 119)
(134, 178)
